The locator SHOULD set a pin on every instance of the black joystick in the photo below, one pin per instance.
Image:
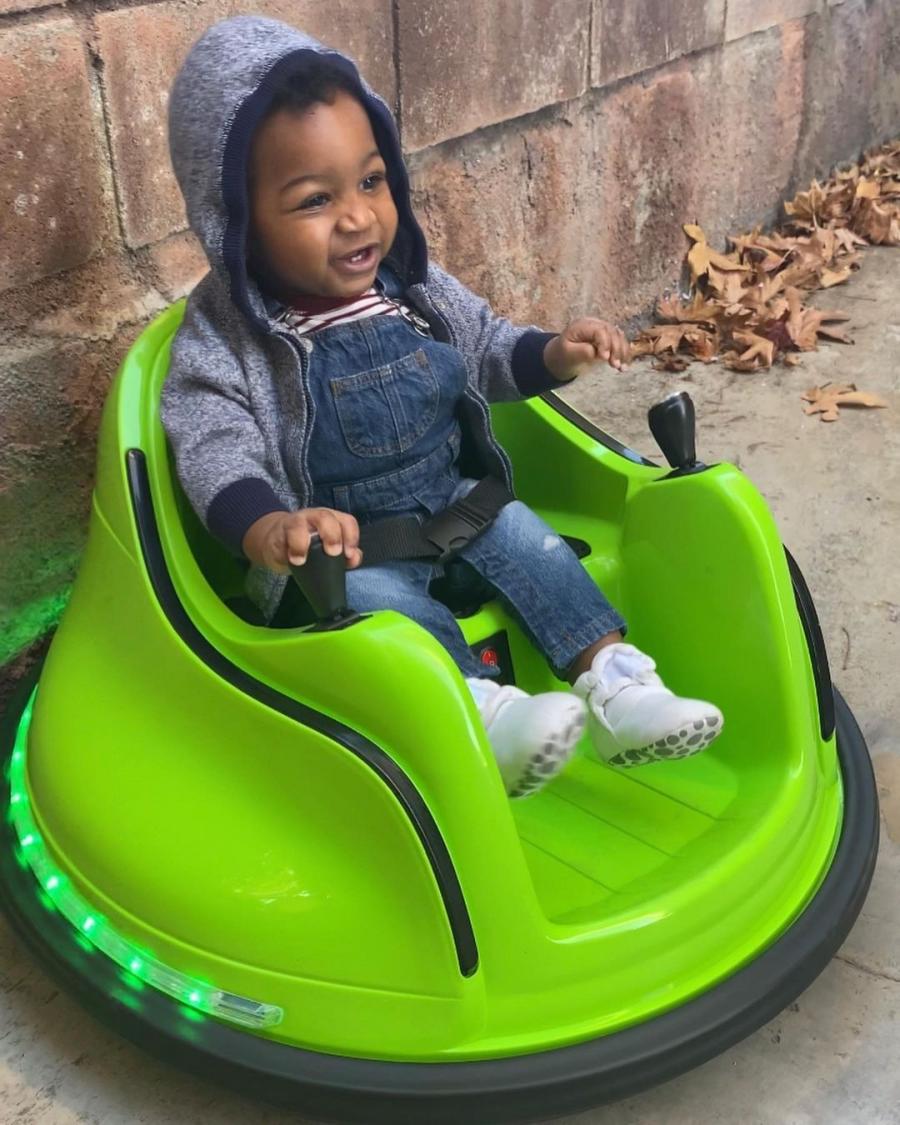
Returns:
(672, 423)
(323, 581)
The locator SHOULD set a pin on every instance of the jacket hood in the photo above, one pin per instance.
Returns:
(219, 97)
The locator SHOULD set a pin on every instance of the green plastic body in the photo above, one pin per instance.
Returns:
(248, 850)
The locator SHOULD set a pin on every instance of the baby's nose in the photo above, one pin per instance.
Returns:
(356, 217)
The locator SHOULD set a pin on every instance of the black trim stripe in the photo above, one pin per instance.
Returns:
(577, 419)
(406, 794)
(816, 643)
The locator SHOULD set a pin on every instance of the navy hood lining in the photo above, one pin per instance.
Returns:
(237, 154)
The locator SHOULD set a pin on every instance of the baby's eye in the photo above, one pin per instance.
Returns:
(373, 180)
(313, 201)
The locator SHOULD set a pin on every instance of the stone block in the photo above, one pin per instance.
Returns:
(753, 98)
(509, 214)
(55, 211)
(142, 49)
(851, 88)
(630, 36)
(23, 5)
(176, 264)
(90, 302)
(650, 138)
(362, 29)
(464, 66)
(52, 396)
(747, 16)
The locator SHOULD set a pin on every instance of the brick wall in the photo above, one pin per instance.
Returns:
(555, 148)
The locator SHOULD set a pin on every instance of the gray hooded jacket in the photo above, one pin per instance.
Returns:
(235, 405)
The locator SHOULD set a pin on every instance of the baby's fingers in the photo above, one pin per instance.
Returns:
(329, 528)
(602, 341)
(350, 530)
(621, 349)
(296, 541)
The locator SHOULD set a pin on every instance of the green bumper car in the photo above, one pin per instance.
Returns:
(324, 897)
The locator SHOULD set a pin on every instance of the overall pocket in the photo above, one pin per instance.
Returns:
(386, 410)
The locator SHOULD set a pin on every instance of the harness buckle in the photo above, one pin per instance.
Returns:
(453, 528)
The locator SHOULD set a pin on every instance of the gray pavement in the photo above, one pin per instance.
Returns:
(835, 490)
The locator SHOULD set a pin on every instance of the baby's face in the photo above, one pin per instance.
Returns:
(318, 193)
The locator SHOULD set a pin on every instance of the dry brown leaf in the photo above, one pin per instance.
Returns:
(666, 337)
(732, 360)
(836, 334)
(828, 398)
(670, 363)
(728, 285)
(848, 240)
(757, 347)
(702, 345)
(701, 255)
(671, 308)
(867, 189)
(694, 232)
(827, 278)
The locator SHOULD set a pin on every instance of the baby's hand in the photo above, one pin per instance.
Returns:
(584, 343)
(280, 538)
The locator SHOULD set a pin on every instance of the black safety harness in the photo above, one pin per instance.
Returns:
(438, 538)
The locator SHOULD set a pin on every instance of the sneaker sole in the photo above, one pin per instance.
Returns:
(551, 758)
(683, 743)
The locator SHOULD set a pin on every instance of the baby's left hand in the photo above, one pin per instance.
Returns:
(585, 342)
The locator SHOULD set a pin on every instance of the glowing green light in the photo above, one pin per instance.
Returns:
(198, 995)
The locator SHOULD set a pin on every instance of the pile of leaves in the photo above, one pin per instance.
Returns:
(747, 308)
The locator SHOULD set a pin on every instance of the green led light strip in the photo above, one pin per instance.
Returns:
(187, 990)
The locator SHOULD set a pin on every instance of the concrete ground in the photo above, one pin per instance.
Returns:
(835, 490)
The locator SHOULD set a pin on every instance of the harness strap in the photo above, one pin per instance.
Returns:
(404, 537)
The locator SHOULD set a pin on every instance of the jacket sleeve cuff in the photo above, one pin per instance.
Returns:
(237, 507)
(531, 374)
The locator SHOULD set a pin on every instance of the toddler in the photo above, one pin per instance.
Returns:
(326, 374)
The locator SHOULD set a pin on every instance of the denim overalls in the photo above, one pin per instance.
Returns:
(385, 440)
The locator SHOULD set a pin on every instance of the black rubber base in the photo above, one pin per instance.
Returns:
(494, 1091)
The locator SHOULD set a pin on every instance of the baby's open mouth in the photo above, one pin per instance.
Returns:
(361, 259)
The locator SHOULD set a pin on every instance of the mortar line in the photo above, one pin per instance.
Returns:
(398, 99)
(590, 98)
(91, 43)
(589, 62)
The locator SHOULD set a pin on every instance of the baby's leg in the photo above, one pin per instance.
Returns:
(634, 718)
(541, 579)
(403, 586)
(532, 736)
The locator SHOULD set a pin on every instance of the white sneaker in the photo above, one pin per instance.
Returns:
(634, 718)
(532, 736)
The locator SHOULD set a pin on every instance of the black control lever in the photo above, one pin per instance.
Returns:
(323, 581)
(673, 424)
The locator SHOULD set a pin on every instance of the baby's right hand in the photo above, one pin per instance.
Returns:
(280, 538)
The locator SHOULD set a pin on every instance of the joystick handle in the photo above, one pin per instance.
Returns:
(323, 580)
(672, 423)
